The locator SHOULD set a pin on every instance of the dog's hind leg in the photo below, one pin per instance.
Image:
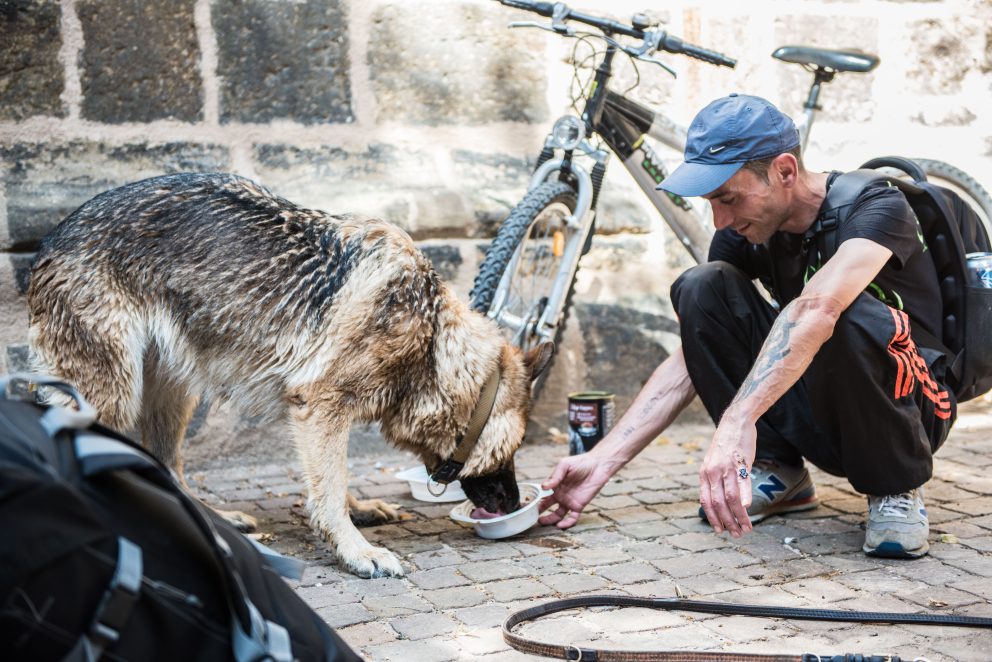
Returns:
(321, 436)
(96, 348)
(167, 405)
(371, 511)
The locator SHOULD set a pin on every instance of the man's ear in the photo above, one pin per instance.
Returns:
(537, 359)
(786, 168)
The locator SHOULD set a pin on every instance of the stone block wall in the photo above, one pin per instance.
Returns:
(430, 114)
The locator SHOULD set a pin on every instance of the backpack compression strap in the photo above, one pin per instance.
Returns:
(115, 606)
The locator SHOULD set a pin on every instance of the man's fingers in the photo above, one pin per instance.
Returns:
(732, 489)
(552, 516)
(706, 501)
(570, 520)
(555, 478)
(746, 496)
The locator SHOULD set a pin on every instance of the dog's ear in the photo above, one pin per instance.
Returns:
(537, 359)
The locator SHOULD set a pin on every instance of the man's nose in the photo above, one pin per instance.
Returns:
(722, 217)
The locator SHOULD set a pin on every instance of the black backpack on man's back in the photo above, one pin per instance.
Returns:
(103, 556)
(951, 230)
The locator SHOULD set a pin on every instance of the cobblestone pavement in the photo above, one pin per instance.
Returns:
(642, 536)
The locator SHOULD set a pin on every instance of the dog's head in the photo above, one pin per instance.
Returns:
(488, 475)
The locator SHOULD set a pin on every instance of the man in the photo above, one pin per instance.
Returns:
(832, 374)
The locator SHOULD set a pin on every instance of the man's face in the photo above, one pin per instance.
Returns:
(753, 208)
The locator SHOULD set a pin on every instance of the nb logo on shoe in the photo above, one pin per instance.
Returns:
(771, 487)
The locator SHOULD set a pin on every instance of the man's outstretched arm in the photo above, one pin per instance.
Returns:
(579, 478)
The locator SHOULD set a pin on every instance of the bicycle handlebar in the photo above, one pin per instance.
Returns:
(666, 42)
(673, 44)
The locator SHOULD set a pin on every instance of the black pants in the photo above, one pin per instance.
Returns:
(871, 406)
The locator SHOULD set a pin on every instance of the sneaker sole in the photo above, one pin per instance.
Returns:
(893, 550)
(799, 505)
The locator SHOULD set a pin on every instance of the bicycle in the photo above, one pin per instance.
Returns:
(527, 277)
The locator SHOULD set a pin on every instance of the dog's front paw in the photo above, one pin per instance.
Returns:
(241, 521)
(372, 511)
(371, 562)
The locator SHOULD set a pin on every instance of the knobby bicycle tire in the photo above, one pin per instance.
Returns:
(508, 238)
(965, 183)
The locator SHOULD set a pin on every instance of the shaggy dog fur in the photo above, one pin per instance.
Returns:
(156, 294)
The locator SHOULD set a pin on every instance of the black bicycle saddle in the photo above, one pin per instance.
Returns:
(856, 61)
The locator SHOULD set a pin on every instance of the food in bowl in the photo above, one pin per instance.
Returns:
(495, 525)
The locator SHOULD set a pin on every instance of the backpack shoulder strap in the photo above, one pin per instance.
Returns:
(841, 195)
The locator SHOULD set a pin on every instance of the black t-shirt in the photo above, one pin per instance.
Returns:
(907, 282)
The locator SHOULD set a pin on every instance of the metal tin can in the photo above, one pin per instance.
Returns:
(980, 269)
(590, 417)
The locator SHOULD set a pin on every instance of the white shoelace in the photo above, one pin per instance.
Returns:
(896, 505)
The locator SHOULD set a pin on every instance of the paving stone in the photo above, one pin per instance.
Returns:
(388, 606)
(629, 573)
(488, 551)
(489, 615)
(654, 498)
(455, 597)
(595, 557)
(327, 596)
(605, 503)
(436, 558)
(575, 629)
(438, 578)
(367, 634)
(339, 616)
(650, 550)
(696, 542)
(475, 643)
(572, 583)
(485, 571)
(413, 651)
(376, 587)
(631, 515)
(516, 589)
(422, 626)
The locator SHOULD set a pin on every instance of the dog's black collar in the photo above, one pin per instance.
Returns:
(449, 469)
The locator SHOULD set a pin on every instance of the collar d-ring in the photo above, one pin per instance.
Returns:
(431, 482)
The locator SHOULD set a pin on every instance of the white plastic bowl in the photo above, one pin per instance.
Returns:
(506, 525)
(419, 478)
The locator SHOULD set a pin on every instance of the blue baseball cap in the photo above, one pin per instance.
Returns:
(724, 136)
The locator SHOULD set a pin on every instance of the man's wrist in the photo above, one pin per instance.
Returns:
(737, 416)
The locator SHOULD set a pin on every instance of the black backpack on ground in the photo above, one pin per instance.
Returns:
(103, 556)
(951, 229)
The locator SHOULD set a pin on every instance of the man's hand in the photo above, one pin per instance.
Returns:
(575, 480)
(723, 493)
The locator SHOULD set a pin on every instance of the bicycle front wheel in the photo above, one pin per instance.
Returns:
(518, 275)
(957, 180)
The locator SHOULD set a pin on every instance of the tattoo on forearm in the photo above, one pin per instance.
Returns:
(775, 349)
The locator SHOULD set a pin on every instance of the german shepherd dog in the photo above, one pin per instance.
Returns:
(153, 295)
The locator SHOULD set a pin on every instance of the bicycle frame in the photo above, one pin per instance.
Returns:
(622, 123)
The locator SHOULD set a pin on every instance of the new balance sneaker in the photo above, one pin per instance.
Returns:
(778, 488)
(897, 526)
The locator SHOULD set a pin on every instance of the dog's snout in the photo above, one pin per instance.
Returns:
(496, 492)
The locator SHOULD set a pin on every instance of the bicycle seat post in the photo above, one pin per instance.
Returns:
(821, 75)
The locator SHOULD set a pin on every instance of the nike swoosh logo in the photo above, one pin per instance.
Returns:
(714, 150)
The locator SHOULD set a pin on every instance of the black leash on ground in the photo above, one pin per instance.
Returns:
(571, 652)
